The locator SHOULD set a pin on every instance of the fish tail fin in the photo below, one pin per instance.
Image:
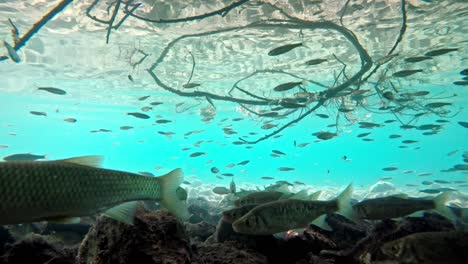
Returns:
(440, 207)
(169, 200)
(344, 202)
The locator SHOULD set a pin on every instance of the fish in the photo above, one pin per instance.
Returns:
(394, 136)
(267, 178)
(429, 127)
(126, 127)
(427, 183)
(235, 213)
(437, 105)
(190, 85)
(230, 165)
(214, 170)
(442, 181)
(463, 167)
(390, 169)
(303, 145)
(64, 190)
(269, 196)
(438, 247)
(197, 154)
(146, 108)
(70, 120)
(368, 125)
(417, 59)
(278, 152)
(406, 73)
(322, 115)
(286, 86)
(397, 206)
(463, 124)
(363, 135)
(24, 157)
(3, 146)
(243, 162)
(439, 52)
(423, 174)
(315, 61)
(461, 83)
(139, 115)
(283, 215)
(283, 49)
(155, 103)
(163, 121)
(324, 135)
(464, 72)
(228, 174)
(38, 113)
(130, 78)
(221, 190)
(408, 172)
(285, 169)
(52, 90)
(12, 54)
(409, 141)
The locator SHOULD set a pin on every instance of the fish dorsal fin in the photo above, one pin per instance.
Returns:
(302, 195)
(284, 188)
(123, 212)
(90, 161)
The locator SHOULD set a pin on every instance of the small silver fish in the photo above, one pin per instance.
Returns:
(283, 49)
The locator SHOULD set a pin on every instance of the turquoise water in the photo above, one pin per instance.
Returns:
(100, 96)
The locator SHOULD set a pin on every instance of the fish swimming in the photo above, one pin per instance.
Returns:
(52, 90)
(429, 247)
(23, 157)
(283, 49)
(64, 190)
(406, 73)
(398, 206)
(283, 215)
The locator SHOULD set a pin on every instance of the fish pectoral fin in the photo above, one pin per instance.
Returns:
(320, 222)
(63, 220)
(124, 213)
(417, 214)
(90, 161)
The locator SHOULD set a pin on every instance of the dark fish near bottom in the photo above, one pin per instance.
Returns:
(429, 247)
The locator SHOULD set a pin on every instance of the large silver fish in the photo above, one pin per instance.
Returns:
(64, 190)
(283, 215)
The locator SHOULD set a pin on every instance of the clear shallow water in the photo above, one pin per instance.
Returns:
(70, 53)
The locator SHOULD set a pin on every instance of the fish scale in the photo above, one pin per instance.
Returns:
(34, 191)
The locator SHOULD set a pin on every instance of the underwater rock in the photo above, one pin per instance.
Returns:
(200, 232)
(369, 248)
(155, 237)
(36, 249)
(228, 253)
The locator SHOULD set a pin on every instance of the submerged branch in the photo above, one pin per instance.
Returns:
(38, 25)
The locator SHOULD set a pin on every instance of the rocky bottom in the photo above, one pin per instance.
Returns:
(158, 237)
